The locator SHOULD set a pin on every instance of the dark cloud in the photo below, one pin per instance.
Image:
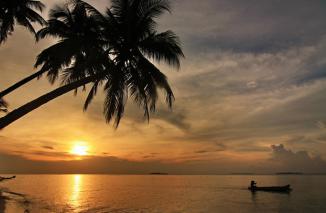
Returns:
(302, 140)
(202, 151)
(211, 148)
(251, 147)
(55, 154)
(48, 147)
(102, 165)
(249, 26)
(151, 155)
(175, 117)
(301, 161)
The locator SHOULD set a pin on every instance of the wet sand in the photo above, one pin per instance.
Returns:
(12, 202)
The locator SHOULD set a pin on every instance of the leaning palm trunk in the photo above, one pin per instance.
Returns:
(20, 83)
(27, 108)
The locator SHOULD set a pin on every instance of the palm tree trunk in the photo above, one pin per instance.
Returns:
(38, 102)
(20, 83)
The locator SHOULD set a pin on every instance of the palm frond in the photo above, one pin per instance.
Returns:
(7, 27)
(115, 98)
(163, 46)
(38, 5)
(120, 8)
(92, 93)
(158, 77)
(153, 8)
(52, 62)
(33, 16)
(26, 23)
(61, 12)
(90, 9)
(138, 87)
(24, 12)
(54, 28)
(76, 70)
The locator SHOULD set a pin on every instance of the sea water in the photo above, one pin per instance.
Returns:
(161, 193)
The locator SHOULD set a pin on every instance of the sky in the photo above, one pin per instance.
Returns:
(250, 97)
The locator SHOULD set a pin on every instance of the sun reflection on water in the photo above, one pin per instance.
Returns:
(75, 194)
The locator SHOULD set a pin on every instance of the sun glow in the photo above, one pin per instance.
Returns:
(79, 149)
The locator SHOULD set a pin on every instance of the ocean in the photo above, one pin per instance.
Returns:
(165, 193)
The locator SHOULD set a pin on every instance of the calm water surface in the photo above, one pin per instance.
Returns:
(126, 193)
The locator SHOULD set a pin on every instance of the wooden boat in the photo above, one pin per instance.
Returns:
(285, 188)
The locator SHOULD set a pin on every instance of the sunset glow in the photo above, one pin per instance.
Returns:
(79, 149)
(162, 106)
(250, 97)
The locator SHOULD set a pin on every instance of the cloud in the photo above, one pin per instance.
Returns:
(175, 117)
(250, 147)
(300, 161)
(100, 165)
(254, 26)
(254, 75)
(48, 147)
(212, 148)
(47, 154)
(281, 160)
(150, 155)
(220, 105)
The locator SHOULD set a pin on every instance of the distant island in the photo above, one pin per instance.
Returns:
(243, 173)
(158, 173)
(289, 173)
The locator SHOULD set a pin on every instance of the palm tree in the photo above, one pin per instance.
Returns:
(80, 42)
(130, 29)
(23, 12)
(126, 41)
(76, 29)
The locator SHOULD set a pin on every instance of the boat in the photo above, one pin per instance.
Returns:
(285, 188)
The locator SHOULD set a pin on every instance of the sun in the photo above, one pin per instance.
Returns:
(79, 149)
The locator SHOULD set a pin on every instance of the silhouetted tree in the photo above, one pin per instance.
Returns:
(130, 29)
(76, 25)
(22, 12)
(123, 42)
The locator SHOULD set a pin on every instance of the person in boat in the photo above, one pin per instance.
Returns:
(253, 184)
